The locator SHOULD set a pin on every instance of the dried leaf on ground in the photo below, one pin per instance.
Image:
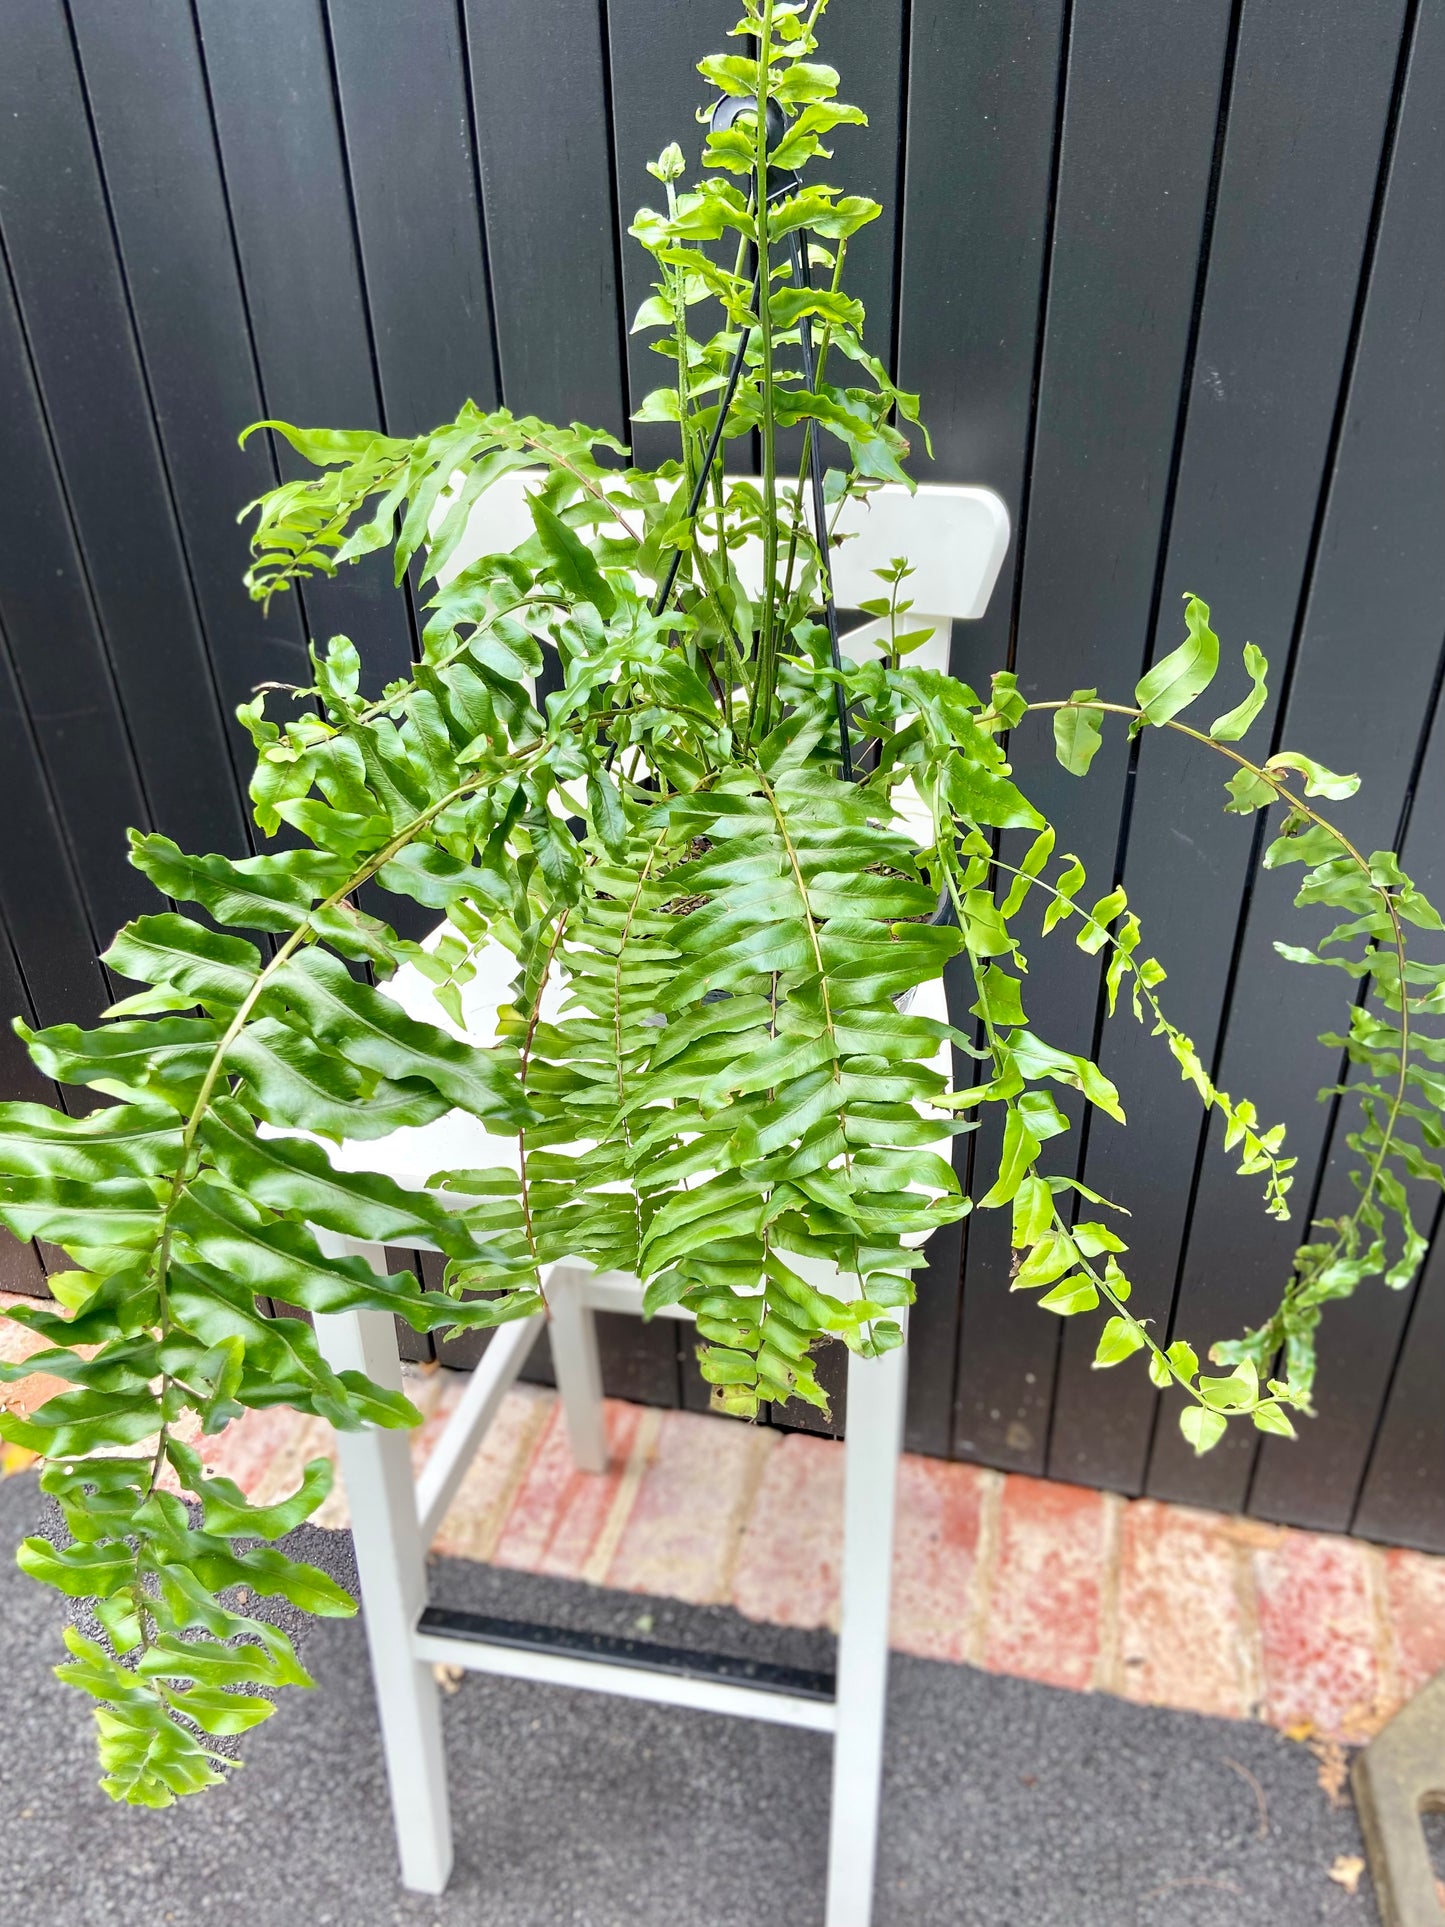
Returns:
(1346, 1871)
(1333, 1771)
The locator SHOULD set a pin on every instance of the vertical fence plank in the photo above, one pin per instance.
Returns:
(1139, 126)
(656, 91)
(58, 237)
(982, 95)
(147, 93)
(41, 908)
(416, 208)
(864, 40)
(1347, 709)
(270, 83)
(60, 662)
(540, 108)
(1292, 211)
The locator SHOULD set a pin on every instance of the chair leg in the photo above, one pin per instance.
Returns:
(572, 1327)
(876, 1391)
(391, 1563)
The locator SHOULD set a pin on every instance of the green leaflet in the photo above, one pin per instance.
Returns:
(1235, 722)
(132, 1140)
(1319, 781)
(363, 1027)
(225, 1509)
(1202, 1427)
(1078, 732)
(296, 1085)
(296, 1176)
(1171, 685)
(984, 796)
(282, 1259)
(270, 1255)
(287, 1367)
(74, 1423)
(156, 1060)
(206, 967)
(120, 1212)
(258, 893)
(572, 562)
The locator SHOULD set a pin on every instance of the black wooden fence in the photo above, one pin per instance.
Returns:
(1171, 277)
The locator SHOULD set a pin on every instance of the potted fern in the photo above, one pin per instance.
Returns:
(738, 854)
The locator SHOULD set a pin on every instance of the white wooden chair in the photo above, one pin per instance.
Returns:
(956, 538)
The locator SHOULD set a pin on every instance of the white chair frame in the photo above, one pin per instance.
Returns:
(958, 535)
(394, 1517)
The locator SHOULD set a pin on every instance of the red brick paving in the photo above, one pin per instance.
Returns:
(1182, 1633)
(787, 1571)
(1415, 1594)
(559, 1512)
(1319, 1642)
(935, 1566)
(672, 1545)
(477, 1514)
(1048, 1583)
(1320, 1635)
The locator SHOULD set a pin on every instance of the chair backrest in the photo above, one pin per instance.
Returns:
(953, 534)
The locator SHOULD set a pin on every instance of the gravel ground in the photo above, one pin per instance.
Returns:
(1006, 1804)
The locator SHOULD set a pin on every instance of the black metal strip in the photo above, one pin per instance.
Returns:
(606, 1649)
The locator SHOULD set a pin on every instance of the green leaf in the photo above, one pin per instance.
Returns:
(573, 564)
(1319, 781)
(983, 796)
(1071, 880)
(604, 805)
(1202, 1427)
(119, 1140)
(1119, 1340)
(1270, 1417)
(1248, 792)
(122, 1212)
(1182, 1357)
(1235, 1393)
(1078, 732)
(215, 1709)
(1005, 699)
(1050, 1258)
(1070, 1296)
(1229, 727)
(1020, 1148)
(81, 1572)
(999, 999)
(272, 892)
(1171, 685)
(152, 1059)
(1038, 855)
(365, 1027)
(296, 1085)
(329, 446)
(208, 968)
(295, 1175)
